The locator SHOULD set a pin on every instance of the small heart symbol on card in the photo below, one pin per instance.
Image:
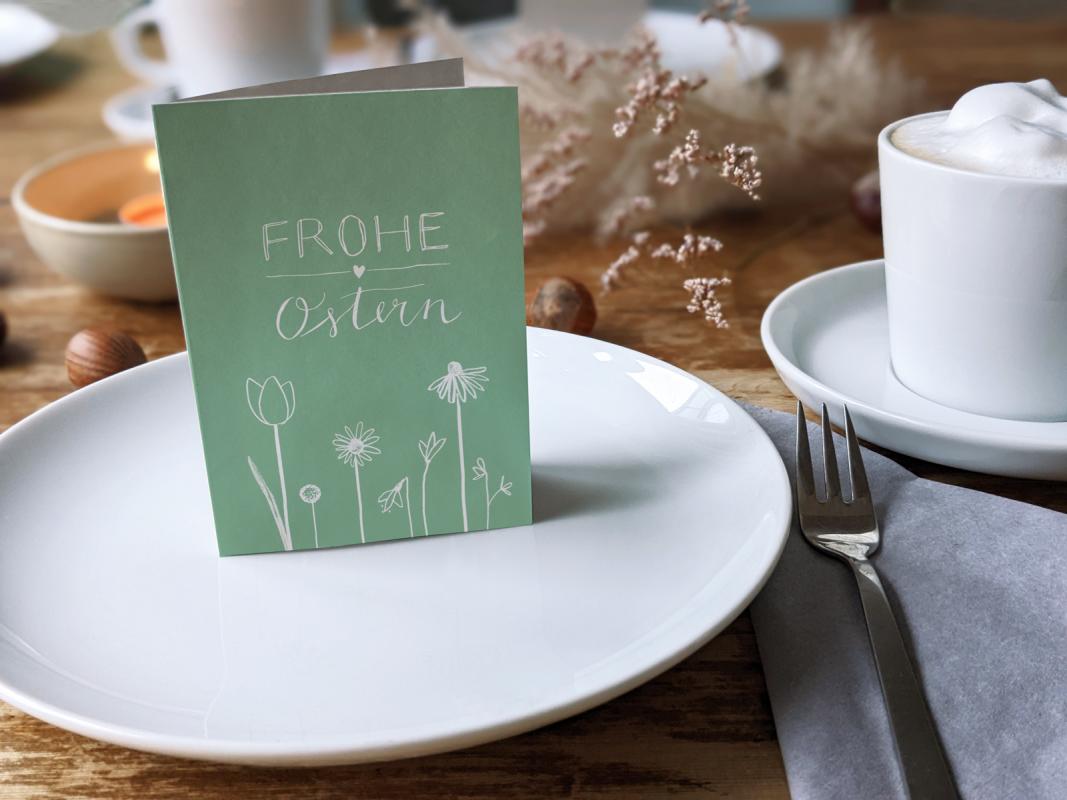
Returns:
(358, 270)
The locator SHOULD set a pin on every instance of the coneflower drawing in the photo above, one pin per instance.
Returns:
(457, 386)
(356, 448)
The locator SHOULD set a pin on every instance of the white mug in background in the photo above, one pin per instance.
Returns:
(976, 283)
(215, 45)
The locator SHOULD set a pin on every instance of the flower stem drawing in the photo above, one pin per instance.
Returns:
(429, 449)
(481, 473)
(457, 386)
(272, 504)
(356, 448)
(310, 494)
(273, 403)
(398, 497)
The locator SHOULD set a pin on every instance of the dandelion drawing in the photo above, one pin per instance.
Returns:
(428, 448)
(398, 497)
(457, 386)
(273, 403)
(310, 494)
(356, 448)
(481, 473)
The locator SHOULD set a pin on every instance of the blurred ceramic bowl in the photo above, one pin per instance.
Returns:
(68, 206)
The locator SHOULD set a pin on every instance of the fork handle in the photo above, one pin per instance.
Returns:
(926, 773)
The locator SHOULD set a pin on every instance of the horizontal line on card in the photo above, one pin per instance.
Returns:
(350, 272)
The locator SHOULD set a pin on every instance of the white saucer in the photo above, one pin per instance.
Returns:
(688, 46)
(128, 114)
(660, 509)
(23, 35)
(827, 337)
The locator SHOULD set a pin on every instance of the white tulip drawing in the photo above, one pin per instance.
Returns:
(481, 473)
(457, 386)
(310, 494)
(429, 450)
(356, 448)
(273, 403)
(398, 497)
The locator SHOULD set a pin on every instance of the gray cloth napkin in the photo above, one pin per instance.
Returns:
(979, 585)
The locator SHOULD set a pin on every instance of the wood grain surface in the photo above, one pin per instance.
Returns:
(703, 728)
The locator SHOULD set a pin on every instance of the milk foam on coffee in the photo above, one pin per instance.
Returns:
(1010, 129)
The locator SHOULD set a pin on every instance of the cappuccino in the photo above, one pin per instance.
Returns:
(1009, 129)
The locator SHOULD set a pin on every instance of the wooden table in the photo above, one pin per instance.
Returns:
(702, 729)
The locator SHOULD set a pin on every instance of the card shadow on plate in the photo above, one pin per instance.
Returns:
(567, 490)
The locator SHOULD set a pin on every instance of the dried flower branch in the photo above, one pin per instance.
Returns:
(613, 274)
(726, 11)
(622, 217)
(549, 174)
(737, 165)
(703, 298)
(656, 90)
(690, 248)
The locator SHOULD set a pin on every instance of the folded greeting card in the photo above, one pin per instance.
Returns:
(349, 260)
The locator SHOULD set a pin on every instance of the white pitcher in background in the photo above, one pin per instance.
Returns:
(214, 45)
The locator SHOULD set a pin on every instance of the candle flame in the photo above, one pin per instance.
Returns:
(151, 162)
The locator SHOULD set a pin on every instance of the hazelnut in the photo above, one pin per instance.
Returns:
(96, 353)
(866, 197)
(562, 304)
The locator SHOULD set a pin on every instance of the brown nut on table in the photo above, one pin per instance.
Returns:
(95, 353)
(866, 198)
(562, 304)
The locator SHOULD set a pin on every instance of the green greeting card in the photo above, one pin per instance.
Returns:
(350, 270)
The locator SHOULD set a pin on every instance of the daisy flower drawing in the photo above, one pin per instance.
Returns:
(356, 449)
(457, 386)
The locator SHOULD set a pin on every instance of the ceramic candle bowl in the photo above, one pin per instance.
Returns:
(67, 208)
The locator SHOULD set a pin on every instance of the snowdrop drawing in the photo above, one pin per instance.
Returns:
(273, 404)
(457, 386)
(356, 448)
(428, 448)
(481, 473)
(398, 497)
(310, 494)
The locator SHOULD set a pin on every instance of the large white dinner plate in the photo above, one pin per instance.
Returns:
(828, 337)
(660, 509)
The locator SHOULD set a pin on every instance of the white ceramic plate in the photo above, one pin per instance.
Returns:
(660, 509)
(688, 46)
(23, 35)
(829, 341)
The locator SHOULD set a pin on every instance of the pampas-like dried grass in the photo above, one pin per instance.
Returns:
(587, 102)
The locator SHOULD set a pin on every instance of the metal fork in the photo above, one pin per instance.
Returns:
(849, 531)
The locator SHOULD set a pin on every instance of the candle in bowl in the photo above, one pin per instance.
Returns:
(145, 210)
(68, 209)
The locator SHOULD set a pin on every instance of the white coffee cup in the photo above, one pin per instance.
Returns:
(214, 45)
(976, 282)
